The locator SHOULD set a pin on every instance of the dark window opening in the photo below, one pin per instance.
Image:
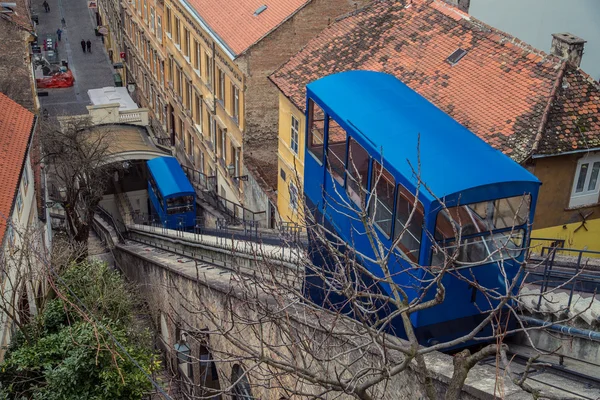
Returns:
(456, 56)
(241, 386)
(336, 151)
(316, 130)
(382, 205)
(358, 172)
(411, 231)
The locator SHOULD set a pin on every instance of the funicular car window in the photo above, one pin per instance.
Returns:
(411, 231)
(477, 226)
(382, 207)
(316, 130)
(336, 151)
(181, 204)
(358, 172)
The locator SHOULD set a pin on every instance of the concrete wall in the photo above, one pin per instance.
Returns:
(139, 200)
(180, 298)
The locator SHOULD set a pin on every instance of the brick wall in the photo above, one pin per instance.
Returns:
(260, 140)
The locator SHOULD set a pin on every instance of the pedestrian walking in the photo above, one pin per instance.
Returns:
(63, 22)
(59, 33)
(83, 45)
(46, 6)
(89, 46)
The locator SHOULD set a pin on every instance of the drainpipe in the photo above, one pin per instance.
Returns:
(564, 329)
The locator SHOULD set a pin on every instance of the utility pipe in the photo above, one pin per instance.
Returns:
(564, 329)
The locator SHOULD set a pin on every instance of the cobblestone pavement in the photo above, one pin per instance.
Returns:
(91, 70)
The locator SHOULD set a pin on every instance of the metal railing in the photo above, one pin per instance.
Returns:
(248, 231)
(119, 227)
(235, 213)
(569, 276)
(541, 244)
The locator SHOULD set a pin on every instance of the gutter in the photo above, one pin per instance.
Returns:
(566, 152)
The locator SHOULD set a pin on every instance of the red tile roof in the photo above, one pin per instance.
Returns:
(16, 124)
(499, 90)
(235, 23)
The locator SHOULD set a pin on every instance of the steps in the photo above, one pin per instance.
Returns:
(556, 303)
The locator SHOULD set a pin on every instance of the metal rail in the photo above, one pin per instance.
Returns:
(549, 275)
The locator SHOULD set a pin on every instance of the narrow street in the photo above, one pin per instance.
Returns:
(91, 70)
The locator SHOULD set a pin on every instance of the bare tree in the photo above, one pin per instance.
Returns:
(344, 344)
(77, 155)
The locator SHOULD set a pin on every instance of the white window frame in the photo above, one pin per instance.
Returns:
(294, 135)
(588, 195)
(19, 202)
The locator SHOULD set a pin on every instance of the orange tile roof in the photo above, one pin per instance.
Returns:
(235, 23)
(16, 124)
(499, 90)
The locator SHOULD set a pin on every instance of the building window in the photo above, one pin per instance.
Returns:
(293, 190)
(235, 97)
(159, 28)
(208, 69)
(152, 20)
(294, 135)
(586, 186)
(197, 55)
(19, 202)
(197, 109)
(222, 150)
(201, 161)
(241, 386)
(168, 20)
(177, 32)
(188, 95)
(191, 146)
(10, 233)
(161, 74)
(221, 87)
(213, 131)
(25, 182)
(145, 10)
(187, 45)
(179, 82)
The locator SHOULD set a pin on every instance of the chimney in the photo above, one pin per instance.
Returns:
(462, 5)
(568, 47)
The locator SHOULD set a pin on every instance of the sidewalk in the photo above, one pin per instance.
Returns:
(91, 70)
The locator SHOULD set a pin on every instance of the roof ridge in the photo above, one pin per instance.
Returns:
(548, 108)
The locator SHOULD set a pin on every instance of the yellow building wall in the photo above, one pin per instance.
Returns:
(290, 163)
(223, 111)
(582, 239)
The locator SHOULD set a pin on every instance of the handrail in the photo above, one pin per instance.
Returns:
(238, 214)
(109, 218)
(549, 264)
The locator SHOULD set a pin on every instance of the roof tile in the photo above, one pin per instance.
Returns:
(500, 79)
(16, 124)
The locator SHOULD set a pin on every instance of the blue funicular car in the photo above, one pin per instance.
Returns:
(367, 133)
